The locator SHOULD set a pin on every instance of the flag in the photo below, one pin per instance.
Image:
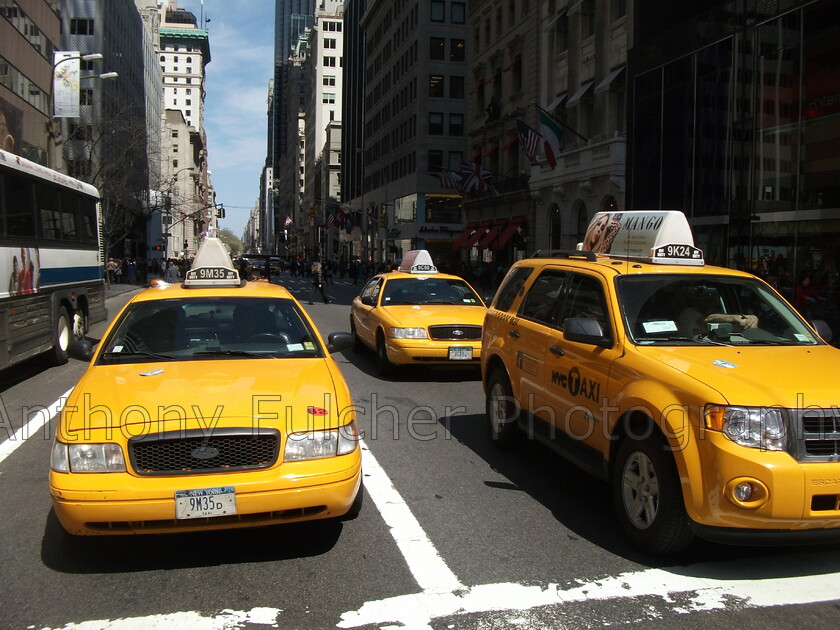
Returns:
(330, 219)
(552, 136)
(529, 140)
(449, 179)
(476, 178)
(287, 222)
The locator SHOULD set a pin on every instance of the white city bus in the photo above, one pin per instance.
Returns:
(51, 268)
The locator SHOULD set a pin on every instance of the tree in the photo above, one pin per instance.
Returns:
(233, 243)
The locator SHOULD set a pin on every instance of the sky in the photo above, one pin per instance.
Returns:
(241, 35)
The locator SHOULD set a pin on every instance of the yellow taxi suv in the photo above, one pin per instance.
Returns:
(418, 316)
(209, 404)
(698, 393)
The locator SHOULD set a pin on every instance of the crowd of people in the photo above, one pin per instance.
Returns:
(140, 271)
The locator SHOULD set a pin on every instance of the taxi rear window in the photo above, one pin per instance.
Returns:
(680, 309)
(197, 329)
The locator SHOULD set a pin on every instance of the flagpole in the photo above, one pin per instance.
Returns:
(560, 122)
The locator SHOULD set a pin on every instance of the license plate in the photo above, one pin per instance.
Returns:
(205, 502)
(460, 353)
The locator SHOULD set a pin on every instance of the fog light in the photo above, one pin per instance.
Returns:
(743, 491)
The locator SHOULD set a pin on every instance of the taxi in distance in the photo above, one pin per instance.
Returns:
(418, 316)
(697, 392)
(210, 404)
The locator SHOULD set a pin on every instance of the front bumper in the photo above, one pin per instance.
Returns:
(428, 351)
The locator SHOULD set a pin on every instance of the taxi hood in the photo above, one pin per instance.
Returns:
(787, 376)
(282, 393)
(423, 315)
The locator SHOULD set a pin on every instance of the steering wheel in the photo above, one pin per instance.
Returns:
(267, 337)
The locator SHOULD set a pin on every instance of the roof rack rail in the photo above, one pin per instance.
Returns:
(565, 253)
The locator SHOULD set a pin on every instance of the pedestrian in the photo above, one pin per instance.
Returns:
(806, 296)
(318, 282)
(171, 275)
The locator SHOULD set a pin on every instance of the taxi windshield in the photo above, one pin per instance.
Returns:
(196, 329)
(426, 290)
(697, 309)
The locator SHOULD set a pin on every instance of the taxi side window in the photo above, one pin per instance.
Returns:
(586, 299)
(544, 300)
(511, 287)
(372, 288)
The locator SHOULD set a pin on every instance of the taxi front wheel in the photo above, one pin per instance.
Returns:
(383, 363)
(502, 411)
(647, 497)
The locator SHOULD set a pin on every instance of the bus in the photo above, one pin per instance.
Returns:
(51, 269)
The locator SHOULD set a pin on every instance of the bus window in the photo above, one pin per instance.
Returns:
(48, 213)
(88, 216)
(69, 217)
(19, 218)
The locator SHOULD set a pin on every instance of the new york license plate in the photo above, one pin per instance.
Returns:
(204, 502)
(460, 353)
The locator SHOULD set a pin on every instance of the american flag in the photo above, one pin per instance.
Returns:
(529, 140)
(330, 220)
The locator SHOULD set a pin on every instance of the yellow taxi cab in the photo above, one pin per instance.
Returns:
(418, 316)
(698, 393)
(209, 404)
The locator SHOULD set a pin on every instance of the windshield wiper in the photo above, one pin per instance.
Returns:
(138, 353)
(701, 340)
(231, 353)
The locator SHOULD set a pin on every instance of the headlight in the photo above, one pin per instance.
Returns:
(87, 458)
(755, 427)
(321, 444)
(407, 333)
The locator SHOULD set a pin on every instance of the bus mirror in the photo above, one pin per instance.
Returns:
(81, 349)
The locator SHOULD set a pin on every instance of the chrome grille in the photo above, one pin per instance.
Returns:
(193, 452)
(455, 333)
(816, 435)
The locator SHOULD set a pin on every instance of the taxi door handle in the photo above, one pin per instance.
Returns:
(557, 351)
(513, 333)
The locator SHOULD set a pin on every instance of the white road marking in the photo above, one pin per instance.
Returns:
(32, 427)
(226, 620)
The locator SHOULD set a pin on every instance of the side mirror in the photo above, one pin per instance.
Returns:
(585, 330)
(338, 341)
(81, 349)
(823, 329)
(368, 300)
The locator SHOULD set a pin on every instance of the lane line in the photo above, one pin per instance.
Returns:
(30, 428)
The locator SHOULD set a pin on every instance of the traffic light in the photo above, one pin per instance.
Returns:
(157, 248)
(221, 212)
(383, 218)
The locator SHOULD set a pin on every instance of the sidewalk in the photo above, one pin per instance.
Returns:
(125, 287)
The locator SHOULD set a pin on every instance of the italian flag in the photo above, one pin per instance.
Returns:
(552, 135)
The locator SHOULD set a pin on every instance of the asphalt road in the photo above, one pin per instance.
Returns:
(453, 534)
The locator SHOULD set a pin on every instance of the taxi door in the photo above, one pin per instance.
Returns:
(537, 314)
(362, 313)
(577, 373)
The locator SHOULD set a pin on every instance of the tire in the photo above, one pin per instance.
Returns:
(502, 411)
(62, 336)
(383, 363)
(358, 346)
(356, 507)
(647, 497)
(80, 325)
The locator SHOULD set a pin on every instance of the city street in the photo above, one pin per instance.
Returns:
(454, 533)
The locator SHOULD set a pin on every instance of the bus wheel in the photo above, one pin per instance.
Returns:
(647, 497)
(79, 324)
(62, 336)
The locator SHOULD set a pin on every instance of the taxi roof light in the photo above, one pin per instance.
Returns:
(655, 236)
(212, 267)
(418, 261)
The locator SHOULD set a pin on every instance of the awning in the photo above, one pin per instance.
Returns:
(484, 243)
(556, 103)
(605, 84)
(479, 232)
(507, 145)
(575, 6)
(508, 232)
(582, 90)
(464, 236)
(474, 156)
(492, 148)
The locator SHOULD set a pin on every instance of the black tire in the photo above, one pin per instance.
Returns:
(502, 411)
(356, 507)
(62, 336)
(383, 363)
(647, 497)
(358, 346)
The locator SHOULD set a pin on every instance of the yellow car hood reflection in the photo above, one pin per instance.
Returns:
(224, 393)
(424, 315)
(759, 375)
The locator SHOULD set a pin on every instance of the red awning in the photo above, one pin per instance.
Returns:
(507, 145)
(508, 232)
(474, 156)
(492, 148)
(464, 236)
(479, 232)
(489, 236)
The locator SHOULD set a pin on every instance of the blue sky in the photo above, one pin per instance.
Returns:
(242, 58)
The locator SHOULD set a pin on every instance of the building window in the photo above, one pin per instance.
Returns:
(436, 85)
(456, 124)
(618, 9)
(587, 18)
(81, 26)
(437, 48)
(329, 43)
(329, 62)
(329, 80)
(438, 11)
(435, 124)
(459, 13)
(516, 75)
(455, 160)
(86, 96)
(174, 133)
(457, 50)
(456, 87)
(435, 160)
(328, 97)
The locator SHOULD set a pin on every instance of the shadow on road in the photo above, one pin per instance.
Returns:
(127, 554)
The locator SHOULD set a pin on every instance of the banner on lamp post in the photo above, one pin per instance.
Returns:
(66, 72)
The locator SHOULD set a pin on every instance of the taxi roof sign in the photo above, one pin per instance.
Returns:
(212, 267)
(656, 236)
(417, 261)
